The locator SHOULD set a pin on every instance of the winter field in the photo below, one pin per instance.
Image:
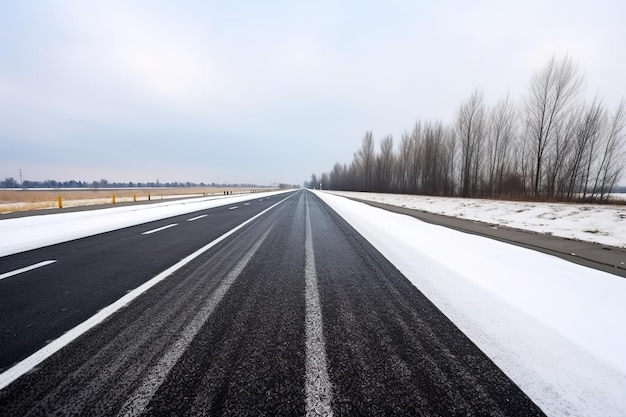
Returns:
(554, 327)
(17, 199)
(599, 223)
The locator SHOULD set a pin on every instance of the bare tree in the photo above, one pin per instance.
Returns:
(365, 160)
(552, 90)
(585, 128)
(470, 127)
(403, 163)
(415, 158)
(500, 133)
(449, 161)
(384, 166)
(612, 161)
(324, 181)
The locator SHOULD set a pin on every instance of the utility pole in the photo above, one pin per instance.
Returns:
(21, 182)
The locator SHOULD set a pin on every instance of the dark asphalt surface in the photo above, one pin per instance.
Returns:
(225, 335)
(93, 272)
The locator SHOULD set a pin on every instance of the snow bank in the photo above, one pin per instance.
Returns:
(604, 224)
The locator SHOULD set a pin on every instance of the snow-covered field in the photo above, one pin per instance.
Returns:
(554, 327)
(604, 224)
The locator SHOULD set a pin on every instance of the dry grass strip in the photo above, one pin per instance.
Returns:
(21, 200)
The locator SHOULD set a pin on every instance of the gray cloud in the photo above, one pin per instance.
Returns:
(266, 92)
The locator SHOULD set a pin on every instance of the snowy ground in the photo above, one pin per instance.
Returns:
(604, 224)
(31, 232)
(554, 327)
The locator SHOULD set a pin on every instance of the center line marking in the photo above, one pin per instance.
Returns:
(197, 217)
(149, 232)
(246, 204)
(232, 208)
(26, 269)
(317, 382)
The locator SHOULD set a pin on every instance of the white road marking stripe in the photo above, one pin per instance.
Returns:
(51, 348)
(233, 208)
(141, 397)
(317, 382)
(26, 269)
(197, 217)
(246, 204)
(149, 232)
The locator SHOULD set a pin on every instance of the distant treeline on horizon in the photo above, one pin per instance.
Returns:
(103, 183)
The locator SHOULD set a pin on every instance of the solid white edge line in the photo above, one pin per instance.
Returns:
(197, 217)
(149, 232)
(317, 382)
(26, 269)
(51, 348)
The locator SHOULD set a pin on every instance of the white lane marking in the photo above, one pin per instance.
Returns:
(26, 269)
(233, 208)
(246, 204)
(142, 396)
(197, 217)
(317, 382)
(51, 348)
(149, 232)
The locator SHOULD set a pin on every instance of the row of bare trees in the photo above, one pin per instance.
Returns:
(551, 145)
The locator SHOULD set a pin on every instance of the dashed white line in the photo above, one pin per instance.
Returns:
(317, 383)
(246, 204)
(149, 232)
(51, 348)
(233, 208)
(26, 269)
(197, 217)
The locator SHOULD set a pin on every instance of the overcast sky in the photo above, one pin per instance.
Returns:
(267, 91)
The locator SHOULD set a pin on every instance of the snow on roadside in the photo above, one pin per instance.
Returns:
(604, 224)
(554, 327)
(31, 232)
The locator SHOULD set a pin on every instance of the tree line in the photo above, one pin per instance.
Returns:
(552, 144)
(11, 182)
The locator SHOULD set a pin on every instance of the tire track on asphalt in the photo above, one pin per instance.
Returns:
(249, 358)
(92, 273)
(100, 371)
(390, 350)
(155, 377)
(39, 356)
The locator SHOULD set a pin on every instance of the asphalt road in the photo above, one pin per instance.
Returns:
(293, 314)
